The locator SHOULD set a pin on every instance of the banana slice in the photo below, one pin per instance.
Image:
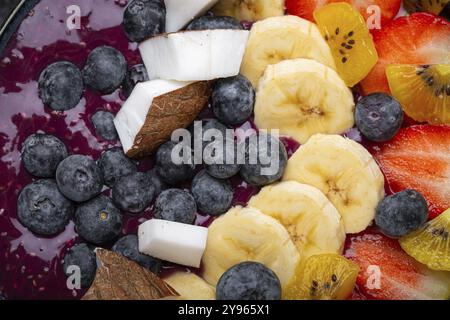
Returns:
(345, 172)
(314, 224)
(249, 10)
(282, 38)
(303, 97)
(190, 286)
(246, 234)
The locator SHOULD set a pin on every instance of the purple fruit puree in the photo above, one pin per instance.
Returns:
(30, 265)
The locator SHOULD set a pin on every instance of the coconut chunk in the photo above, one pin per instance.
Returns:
(194, 55)
(154, 110)
(179, 14)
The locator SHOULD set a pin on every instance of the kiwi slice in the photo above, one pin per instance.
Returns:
(323, 277)
(431, 6)
(423, 91)
(352, 47)
(430, 245)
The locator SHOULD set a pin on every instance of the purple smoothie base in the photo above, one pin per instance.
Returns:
(30, 265)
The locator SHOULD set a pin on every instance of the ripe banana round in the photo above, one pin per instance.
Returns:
(249, 10)
(282, 38)
(314, 224)
(303, 97)
(345, 172)
(190, 286)
(246, 234)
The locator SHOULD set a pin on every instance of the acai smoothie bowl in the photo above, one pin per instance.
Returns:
(225, 150)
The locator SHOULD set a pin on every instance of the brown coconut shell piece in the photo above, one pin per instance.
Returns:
(168, 112)
(119, 278)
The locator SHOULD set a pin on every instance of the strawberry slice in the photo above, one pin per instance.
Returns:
(420, 38)
(388, 273)
(419, 158)
(305, 8)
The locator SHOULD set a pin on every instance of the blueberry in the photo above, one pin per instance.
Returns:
(114, 164)
(378, 116)
(129, 248)
(134, 192)
(83, 257)
(98, 221)
(233, 100)
(175, 205)
(137, 73)
(263, 165)
(143, 19)
(105, 69)
(61, 86)
(248, 281)
(213, 196)
(223, 165)
(43, 209)
(209, 22)
(170, 172)
(207, 126)
(42, 153)
(79, 178)
(156, 181)
(2, 296)
(103, 122)
(401, 213)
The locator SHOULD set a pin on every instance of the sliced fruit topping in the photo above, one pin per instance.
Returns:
(430, 6)
(388, 273)
(81, 256)
(420, 38)
(175, 205)
(61, 86)
(213, 196)
(129, 248)
(418, 158)
(323, 277)
(42, 153)
(105, 69)
(378, 116)
(147, 119)
(210, 22)
(98, 221)
(302, 97)
(233, 100)
(43, 209)
(246, 234)
(430, 244)
(143, 19)
(134, 192)
(314, 224)
(248, 281)
(250, 10)
(305, 8)
(190, 286)
(351, 43)
(282, 38)
(270, 164)
(119, 278)
(401, 213)
(423, 91)
(172, 241)
(345, 172)
(79, 178)
(179, 13)
(194, 55)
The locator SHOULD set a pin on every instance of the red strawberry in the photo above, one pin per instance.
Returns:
(420, 38)
(419, 158)
(305, 8)
(388, 273)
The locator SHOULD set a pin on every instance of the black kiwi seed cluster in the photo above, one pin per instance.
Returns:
(428, 77)
(346, 45)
